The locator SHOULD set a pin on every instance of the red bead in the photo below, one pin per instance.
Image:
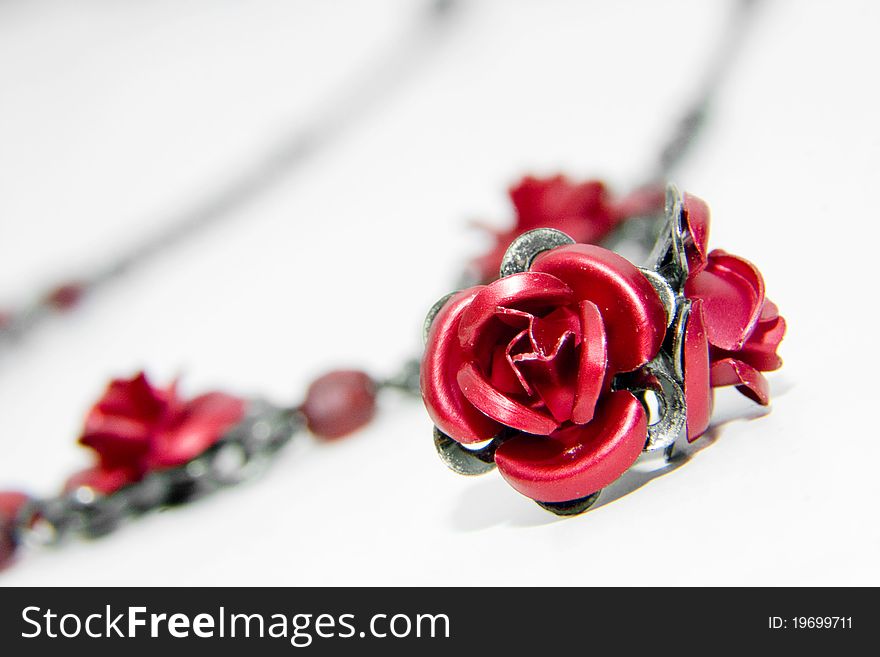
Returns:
(65, 297)
(339, 403)
(10, 504)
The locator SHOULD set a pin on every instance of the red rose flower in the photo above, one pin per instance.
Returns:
(534, 354)
(733, 330)
(585, 211)
(743, 327)
(136, 428)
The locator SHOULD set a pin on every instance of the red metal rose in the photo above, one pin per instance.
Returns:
(734, 330)
(743, 327)
(535, 352)
(136, 428)
(586, 211)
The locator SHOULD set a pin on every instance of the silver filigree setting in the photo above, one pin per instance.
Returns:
(465, 460)
(525, 248)
(664, 375)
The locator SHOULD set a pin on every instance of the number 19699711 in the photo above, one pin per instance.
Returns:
(810, 623)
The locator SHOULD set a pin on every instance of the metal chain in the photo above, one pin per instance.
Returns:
(266, 428)
(636, 237)
(238, 455)
(692, 121)
(242, 451)
(377, 80)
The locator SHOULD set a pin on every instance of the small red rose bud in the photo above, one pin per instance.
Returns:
(339, 403)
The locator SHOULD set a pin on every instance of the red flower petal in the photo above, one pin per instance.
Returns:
(498, 406)
(503, 374)
(203, 421)
(584, 211)
(732, 291)
(526, 291)
(769, 311)
(553, 379)
(549, 332)
(103, 480)
(453, 414)
(592, 362)
(635, 321)
(118, 440)
(748, 380)
(759, 351)
(578, 460)
(134, 398)
(696, 223)
(697, 392)
(543, 202)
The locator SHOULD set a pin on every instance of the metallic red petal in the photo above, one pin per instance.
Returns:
(543, 202)
(554, 379)
(504, 375)
(578, 460)
(696, 222)
(759, 351)
(103, 480)
(525, 291)
(748, 380)
(203, 421)
(134, 397)
(769, 311)
(732, 290)
(119, 441)
(453, 414)
(582, 210)
(635, 321)
(128, 430)
(549, 332)
(592, 362)
(697, 392)
(501, 408)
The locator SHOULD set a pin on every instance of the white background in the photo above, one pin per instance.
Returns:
(116, 116)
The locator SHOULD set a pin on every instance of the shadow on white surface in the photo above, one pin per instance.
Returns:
(488, 503)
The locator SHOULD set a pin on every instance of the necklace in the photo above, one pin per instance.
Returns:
(155, 449)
